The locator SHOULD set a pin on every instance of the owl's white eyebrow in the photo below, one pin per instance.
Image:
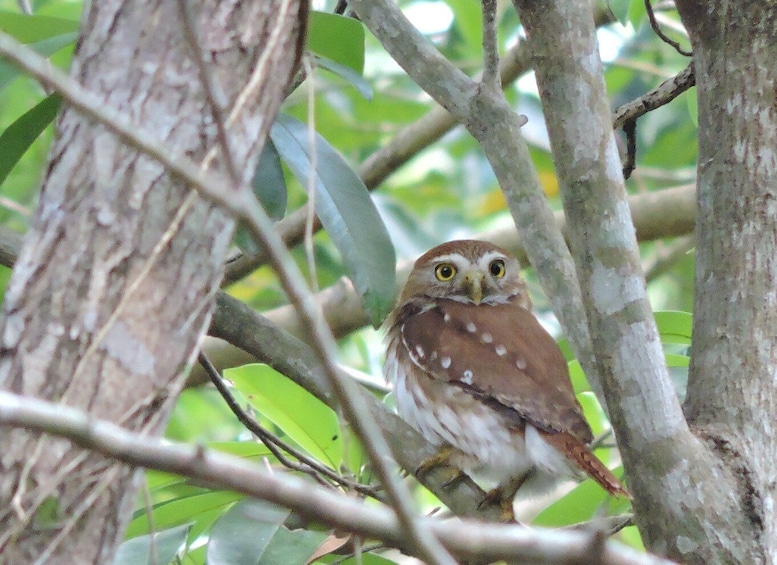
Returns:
(449, 258)
(490, 256)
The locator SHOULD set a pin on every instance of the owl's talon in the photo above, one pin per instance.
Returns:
(440, 459)
(457, 475)
(504, 500)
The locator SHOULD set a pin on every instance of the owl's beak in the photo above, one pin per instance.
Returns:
(473, 283)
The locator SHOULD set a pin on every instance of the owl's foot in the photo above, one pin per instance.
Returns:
(441, 459)
(498, 496)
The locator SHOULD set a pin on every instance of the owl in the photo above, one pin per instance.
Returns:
(475, 373)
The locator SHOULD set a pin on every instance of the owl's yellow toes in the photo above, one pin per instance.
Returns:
(504, 500)
(441, 459)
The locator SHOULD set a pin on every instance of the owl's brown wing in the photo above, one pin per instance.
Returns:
(502, 355)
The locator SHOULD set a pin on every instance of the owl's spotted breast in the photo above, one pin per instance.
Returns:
(501, 354)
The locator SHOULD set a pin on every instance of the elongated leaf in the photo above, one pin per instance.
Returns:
(167, 544)
(183, 510)
(674, 327)
(304, 418)
(291, 546)
(347, 212)
(337, 38)
(351, 76)
(20, 135)
(45, 48)
(30, 29)
(269, 183)
(242, 534)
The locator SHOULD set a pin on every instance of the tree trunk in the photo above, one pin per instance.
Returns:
(732, 392)
(114, 285)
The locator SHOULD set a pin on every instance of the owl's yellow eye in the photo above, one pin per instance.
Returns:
(444, 272)
(497, 268)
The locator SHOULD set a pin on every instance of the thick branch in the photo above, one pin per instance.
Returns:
(466, 539)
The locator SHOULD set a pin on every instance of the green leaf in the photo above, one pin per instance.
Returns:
(167, 544)
(300, 415)
(620, 8)
(674, 327)
(291, 546)
(347, 212)
(18, 137)
(32, 28)
(269, 183)
(184, 510)
(580, 505)
(338, 38)
(44, 48)
(352, 77)
(242, 534)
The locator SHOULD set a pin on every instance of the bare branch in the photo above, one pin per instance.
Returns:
(659, 32)
(465, 538)
(491, 78)
(659, 96)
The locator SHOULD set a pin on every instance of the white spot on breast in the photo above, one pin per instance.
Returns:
(486, 337)
(520, 363)
(420, 351)
(472, 328)
(446, 318)
(433, 356)
(445, 362)
(467, 377)
(500, 350)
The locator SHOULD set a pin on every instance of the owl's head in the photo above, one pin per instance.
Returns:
(468, 271)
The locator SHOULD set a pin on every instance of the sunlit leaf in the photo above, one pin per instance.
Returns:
(338, 38)
(674, 327)
(347, 212)
(303, 417)
(166, 545)
(32, 28)
(200, 507)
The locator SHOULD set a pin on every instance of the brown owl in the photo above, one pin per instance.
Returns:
(475, 373)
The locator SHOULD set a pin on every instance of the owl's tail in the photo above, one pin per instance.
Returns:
(580, 454)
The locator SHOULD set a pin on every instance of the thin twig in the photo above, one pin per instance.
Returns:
(491, 77)
(657, 28)
(659, 96)
(630, 162)
(307, 465)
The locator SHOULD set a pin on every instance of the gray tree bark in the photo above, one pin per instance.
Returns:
(732, 391)
(114, 285)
